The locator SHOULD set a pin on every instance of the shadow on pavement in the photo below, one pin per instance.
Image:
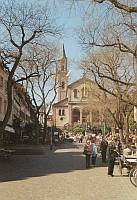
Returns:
(62, 159)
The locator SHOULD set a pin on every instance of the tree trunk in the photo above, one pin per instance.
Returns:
(37, 130)
(45, 128)
(126, 129)
(121, 134)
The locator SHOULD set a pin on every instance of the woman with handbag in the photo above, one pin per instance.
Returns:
(87, 152)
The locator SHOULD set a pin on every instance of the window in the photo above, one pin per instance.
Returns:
(59, 112)
(84, 92)
(62, 67)
(63, 112)
(75, 93)
(1, 81)
(63, 85)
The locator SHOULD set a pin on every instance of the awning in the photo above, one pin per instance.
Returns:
(9, 129)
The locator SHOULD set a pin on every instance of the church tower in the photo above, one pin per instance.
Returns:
(62, 77)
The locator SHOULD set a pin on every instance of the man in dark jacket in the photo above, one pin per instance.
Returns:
(103, 149)
(111, 158)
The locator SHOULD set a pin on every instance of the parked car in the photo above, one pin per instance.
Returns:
(69, 139)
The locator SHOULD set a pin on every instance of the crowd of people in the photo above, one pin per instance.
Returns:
(109, 147)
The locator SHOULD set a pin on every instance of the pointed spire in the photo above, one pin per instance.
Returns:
(64, 53)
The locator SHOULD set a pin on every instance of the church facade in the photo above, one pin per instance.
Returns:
(74, 100)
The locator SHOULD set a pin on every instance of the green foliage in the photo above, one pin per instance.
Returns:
(78, 129)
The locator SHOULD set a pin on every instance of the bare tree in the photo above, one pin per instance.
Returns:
(116, 27)
(42, 87)
(120, 5)
(21, 24)
(115, 79)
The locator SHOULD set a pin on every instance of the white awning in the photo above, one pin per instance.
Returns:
(10, 129)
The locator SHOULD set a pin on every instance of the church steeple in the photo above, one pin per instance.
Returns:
(62, 77)
(64, 53)
(63, 61)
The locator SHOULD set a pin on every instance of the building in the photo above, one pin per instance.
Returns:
(3, 82)
(21, 109)
(3, 97)
(74, 105)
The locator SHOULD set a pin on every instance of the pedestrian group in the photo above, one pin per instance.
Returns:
(109, 148)
(90, 151)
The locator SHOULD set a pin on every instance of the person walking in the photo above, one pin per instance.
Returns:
(94, 153)
(87, 152)
(81, 138)
(103, 149)
(111, 158)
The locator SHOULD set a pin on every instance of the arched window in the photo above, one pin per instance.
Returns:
(84, 92)
(59, 112)
(62, 67)
(75, 93)
(63, 112)
(83, 95)
(75, 115)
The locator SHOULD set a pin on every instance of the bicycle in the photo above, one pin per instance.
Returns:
(133, 176)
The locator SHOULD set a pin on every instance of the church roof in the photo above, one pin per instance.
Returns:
(78, 82)
(63, 102)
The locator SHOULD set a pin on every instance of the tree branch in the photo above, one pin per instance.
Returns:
(121, 6)
(27, 77)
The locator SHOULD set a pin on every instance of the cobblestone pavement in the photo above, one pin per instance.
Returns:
(60, 174)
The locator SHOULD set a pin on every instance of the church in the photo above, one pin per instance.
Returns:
(74, 100)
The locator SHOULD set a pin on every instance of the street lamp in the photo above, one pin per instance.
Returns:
(51, 136)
